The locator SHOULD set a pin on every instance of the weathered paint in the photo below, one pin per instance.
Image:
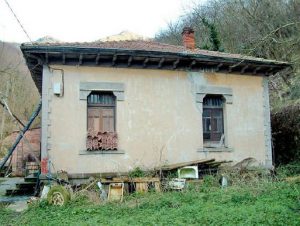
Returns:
(267, 125)
(158, 122)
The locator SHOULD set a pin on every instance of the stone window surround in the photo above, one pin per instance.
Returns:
(85, 88)
(200, 92)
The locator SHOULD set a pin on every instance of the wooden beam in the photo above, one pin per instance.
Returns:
(179, 165)
(244, 69)
(192, 64)
(162, 60)
(219, 66)
(80, 59)
(176, 62)
(145, 62)
(129, 61)
(256, 70)
(46, 58)
(230, 68)
(63, 58)
(97, 59)
(113, 63)
(269, 72)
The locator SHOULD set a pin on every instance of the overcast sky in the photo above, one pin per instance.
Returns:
(88, 20)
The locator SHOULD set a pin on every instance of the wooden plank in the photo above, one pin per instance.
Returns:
(157, 186)
(115, 57)
(256, 70)
(116, 192)
(192, 64)
(214, 164)
(145, 62)
(141, 187)
(115, 180)
(46, 58)
(80, 59)
(162, 60)
(64, 58)
(129, 61)
(219, 66)
(134, 180)
(230, 68)
(97, 59)
(244, 69)
(176, 63)
(179, 165)
(145, 179)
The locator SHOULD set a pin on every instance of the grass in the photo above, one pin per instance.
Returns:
(263, 203)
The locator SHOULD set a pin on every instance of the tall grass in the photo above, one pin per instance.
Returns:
(252, 198)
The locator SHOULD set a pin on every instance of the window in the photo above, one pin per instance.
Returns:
(101, 118)
(213, 123)
(101, 112)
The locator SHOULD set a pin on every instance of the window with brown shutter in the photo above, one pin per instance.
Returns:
(212, 118)
(101, 113)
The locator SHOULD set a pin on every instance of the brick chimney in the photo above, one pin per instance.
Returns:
(188, 38)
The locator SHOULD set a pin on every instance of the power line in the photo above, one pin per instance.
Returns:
(18, 20)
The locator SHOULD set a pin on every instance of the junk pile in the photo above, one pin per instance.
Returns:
(188, 172)
(57, 189)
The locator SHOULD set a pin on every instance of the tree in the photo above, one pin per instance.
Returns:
(260, 28)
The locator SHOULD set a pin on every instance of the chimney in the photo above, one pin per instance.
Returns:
(188, 38)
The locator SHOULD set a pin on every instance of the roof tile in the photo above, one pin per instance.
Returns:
(148, 46)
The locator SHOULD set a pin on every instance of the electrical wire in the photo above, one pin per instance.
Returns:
(19, 22)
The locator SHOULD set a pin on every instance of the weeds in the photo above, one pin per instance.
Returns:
(255, 199)
(137, 172)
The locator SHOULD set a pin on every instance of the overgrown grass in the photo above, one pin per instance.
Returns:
(263, 203)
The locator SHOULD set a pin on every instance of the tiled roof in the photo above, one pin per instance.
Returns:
(142, 54)
(147, 46)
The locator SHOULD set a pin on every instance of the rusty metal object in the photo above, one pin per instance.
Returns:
(101, 141)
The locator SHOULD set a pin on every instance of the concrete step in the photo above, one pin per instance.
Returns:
(31, 178)
(25, 185)
(23, 191)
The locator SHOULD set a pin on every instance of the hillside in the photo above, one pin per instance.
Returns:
(16, 86)
(123, 36)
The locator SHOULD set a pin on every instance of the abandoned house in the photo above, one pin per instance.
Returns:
(108, 107)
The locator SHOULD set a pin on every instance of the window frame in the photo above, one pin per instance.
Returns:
(213, 109)
(102, 106)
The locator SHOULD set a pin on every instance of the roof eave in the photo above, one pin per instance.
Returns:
(36, 56)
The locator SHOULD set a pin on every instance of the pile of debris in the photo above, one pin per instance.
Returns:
(114, 188)
(188, 172)
(59, 190)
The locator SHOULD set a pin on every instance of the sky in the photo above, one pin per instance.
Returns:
(88, 20)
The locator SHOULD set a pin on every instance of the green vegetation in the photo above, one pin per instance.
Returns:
(59, 195)
(256, 202)
(137, 172)
(265, 28)
(213, 36)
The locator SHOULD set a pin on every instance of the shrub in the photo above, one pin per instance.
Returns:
(136, 172)
(286, 134)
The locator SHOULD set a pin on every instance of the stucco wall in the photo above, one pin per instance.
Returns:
(158, 122)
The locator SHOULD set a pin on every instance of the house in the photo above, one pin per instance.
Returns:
(109, 107)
